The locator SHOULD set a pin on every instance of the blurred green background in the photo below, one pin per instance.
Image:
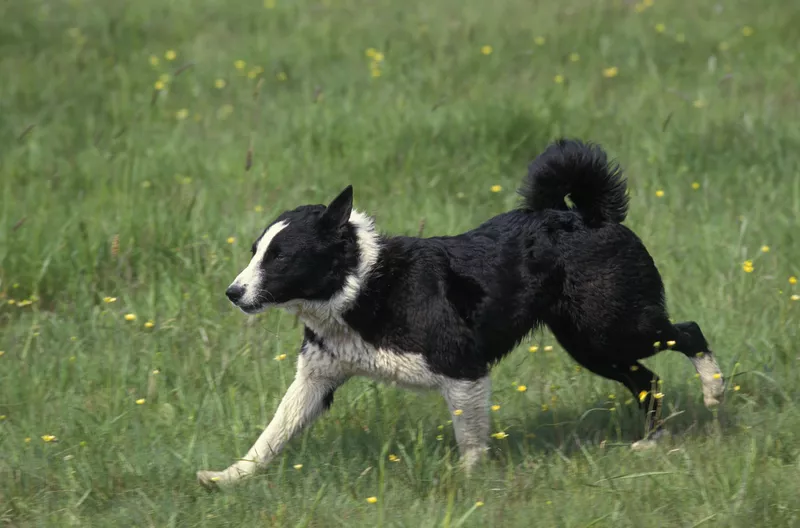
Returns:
(144, 145)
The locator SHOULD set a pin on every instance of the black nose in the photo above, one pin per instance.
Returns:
(234, 293)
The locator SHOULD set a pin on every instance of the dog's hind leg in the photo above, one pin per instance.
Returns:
(640, 381)
(309, 395)
(468, 402)
(690, 341)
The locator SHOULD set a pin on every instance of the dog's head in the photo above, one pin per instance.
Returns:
(307, 254)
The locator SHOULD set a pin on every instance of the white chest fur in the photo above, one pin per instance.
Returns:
(343, 354)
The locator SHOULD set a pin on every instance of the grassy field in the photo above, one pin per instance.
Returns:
(145, 144)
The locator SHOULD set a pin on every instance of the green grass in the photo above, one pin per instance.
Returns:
(107, 192)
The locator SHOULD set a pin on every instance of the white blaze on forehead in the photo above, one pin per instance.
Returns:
(250, 277)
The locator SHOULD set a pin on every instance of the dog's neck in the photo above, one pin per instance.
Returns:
(326, 318)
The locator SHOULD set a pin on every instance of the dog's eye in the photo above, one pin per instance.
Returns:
(274, 252)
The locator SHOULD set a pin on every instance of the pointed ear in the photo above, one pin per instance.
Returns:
(338, 212)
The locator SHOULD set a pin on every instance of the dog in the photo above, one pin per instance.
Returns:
(439, 312)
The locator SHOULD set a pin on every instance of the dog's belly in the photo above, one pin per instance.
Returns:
(353, 357)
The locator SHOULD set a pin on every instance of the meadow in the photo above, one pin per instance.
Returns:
(144, 145)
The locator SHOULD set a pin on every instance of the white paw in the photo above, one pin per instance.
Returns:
(211, 480)
(472, 457)
(651, 441)
(711, 400)
(644, 445)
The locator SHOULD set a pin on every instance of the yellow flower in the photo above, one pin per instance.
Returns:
(2, 417)
(12, 302)
(695, 185)
(747, 266)
(156, 371)
(558, 79)
(371, 52)
(231, 240)
(219, 84)
(670, 343)
(170, 55)
(495, 408)
(717, 375)
(478, 504)
(680, 37)
(545, 407)
(548, 348)
(181, 114)
(280, 357)
(539, 41)
(372, 500)
(28, 440)
(658, 395)
(500, 435)
(149, 324)
(496, 188)
(109, 299)
(634, 368)
(154, 60)
(533, 348)
(140, 401)
(298, 466)
(574, 57)
(239, 64)
(613, 71)
(458, 412)
(394, 458)
(378, 57)
(736, 387)
(612, 396)
(522, 388)
(258, 208)
(660, 193)
(765, 249)
(642, 396)
(792, 280)
(795, 297)
(282, 77)
(747, 31)
(486, 50)
(660, 28)
(49, 438)
(2, 353)
(130, 317)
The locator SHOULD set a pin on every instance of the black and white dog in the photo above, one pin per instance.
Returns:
(438, 312)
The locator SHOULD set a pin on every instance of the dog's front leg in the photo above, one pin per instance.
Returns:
(469, 405)
(309, 395)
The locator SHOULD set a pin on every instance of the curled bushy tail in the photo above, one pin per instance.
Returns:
(581, 171)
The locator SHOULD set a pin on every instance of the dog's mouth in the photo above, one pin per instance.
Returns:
(252, 309)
